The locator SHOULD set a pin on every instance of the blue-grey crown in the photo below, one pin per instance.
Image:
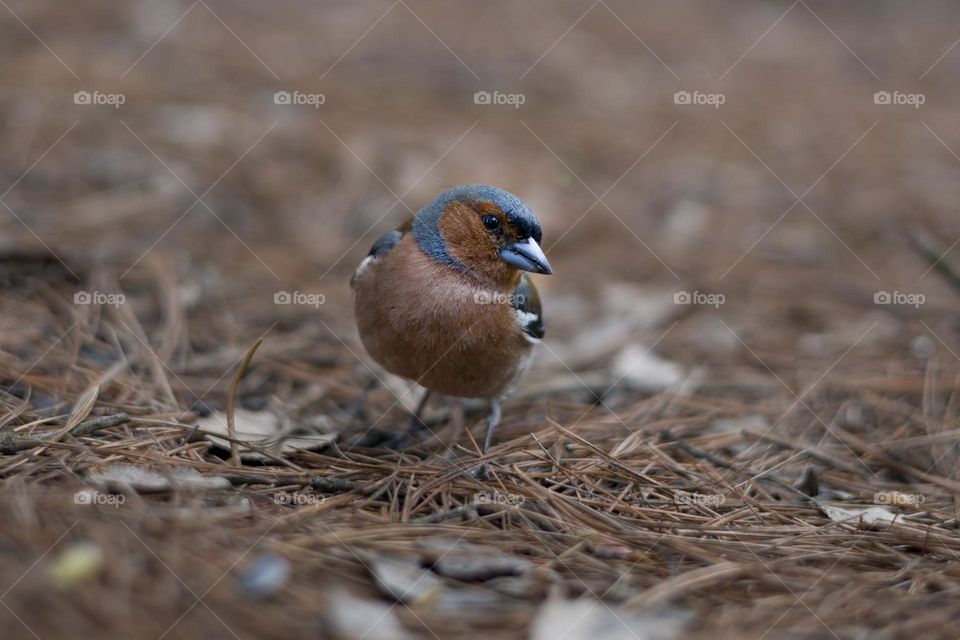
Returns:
(426, 227)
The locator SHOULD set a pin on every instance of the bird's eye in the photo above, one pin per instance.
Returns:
(491, 222)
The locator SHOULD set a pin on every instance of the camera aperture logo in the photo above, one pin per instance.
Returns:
(703, 499)
(898, 297)
(699, 98)
(899, 499)
(296, 97)
(498, 98)
(898, 98)
(97, 98)
(99, 298)
(495, 497)
(494, 297)
(297, 499)
(94, 497)
(299, 297)
(699, 298)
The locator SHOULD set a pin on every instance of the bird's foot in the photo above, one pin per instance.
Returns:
(482, 472)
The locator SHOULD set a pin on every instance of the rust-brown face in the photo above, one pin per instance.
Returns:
(476, 233)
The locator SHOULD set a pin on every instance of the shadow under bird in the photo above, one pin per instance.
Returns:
(444, 299)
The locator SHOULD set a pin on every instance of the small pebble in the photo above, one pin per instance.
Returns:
(266, 575)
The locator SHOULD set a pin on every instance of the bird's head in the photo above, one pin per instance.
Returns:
(483, 231)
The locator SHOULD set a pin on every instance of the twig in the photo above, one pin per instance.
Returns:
(11, 442)
(231, 398)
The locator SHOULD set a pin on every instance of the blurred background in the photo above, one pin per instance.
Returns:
(741, 200)
(794, 197)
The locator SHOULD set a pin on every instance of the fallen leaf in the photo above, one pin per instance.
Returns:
(348, 617)
(188, 479)
(120, 477)
(465, 561)
(401, 577)
(610, 549)
(641, 369)
(127, 477)
(588, 619)
(529, 585)
(262, 430)
(870, 515)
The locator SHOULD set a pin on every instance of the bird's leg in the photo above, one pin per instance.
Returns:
(456, 426)
(416, 424)
(492, 421)
(391, 438)
(359, 410)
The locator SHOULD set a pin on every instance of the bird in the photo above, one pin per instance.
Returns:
(446, 300)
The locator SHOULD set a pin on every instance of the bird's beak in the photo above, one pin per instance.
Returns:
(526, 255)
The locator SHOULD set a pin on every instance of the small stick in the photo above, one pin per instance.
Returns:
(234, 449)
(668, 438)
(92, 425)
(11, 442)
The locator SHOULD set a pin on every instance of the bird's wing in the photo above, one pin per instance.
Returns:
(383, 246)
(526, 302)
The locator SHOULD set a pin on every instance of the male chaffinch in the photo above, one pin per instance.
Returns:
(442, 301)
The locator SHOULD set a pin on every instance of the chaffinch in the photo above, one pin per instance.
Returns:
(441, 300)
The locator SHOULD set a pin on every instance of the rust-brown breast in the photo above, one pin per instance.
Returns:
(425, 321)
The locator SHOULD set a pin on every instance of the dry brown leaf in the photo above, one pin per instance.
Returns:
(262, 430)
(588, 619)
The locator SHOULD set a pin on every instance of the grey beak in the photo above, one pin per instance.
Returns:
(526, 256)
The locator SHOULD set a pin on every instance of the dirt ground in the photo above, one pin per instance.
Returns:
(742, 422)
